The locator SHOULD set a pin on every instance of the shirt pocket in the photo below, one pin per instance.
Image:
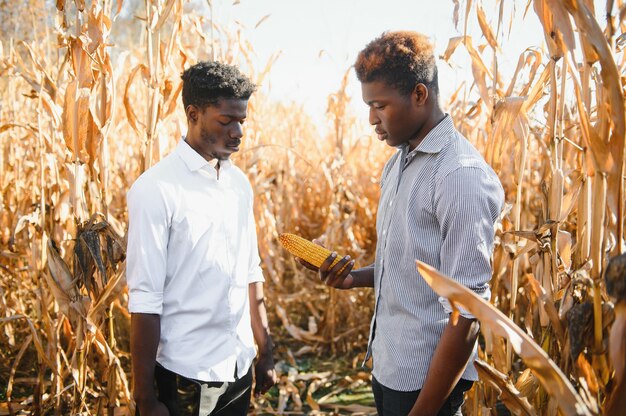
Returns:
(193, 227)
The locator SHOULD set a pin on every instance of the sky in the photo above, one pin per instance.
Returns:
(318, 40)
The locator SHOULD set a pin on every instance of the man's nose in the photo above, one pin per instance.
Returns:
(237, 131)
(373, 117)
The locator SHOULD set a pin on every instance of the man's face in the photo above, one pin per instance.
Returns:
(396, 117)
(217, 129)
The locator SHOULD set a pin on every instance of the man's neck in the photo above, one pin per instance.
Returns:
(436, 116)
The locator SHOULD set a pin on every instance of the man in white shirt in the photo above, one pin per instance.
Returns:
(193, 268)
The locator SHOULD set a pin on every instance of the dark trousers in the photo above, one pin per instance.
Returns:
(399, 403)
(183, 396)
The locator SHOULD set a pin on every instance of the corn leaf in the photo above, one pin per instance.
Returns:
(546, 371)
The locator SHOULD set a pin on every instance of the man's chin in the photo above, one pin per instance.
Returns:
(225, 155)
(390, 141)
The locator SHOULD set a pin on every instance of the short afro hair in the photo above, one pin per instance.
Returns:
(206, 82)
(401, 59)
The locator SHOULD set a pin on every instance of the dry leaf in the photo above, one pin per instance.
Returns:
(546, 371)
(485, 27)
(264, 18)
(507, 392)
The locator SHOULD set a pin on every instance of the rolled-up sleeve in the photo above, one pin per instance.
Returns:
(467, 205)
(146, 253)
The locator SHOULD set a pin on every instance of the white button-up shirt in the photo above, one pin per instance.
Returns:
(192, 252)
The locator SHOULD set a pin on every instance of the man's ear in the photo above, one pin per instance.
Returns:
(192, 113)
(420, 94)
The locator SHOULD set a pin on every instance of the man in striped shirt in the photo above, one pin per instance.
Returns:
(439, 204)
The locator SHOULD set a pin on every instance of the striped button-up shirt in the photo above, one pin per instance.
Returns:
(438, 204)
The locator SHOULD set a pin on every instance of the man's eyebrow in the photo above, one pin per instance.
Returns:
(237, 116)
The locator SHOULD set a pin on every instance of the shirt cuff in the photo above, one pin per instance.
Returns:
(256, 276)
(145, 302)
(448, 308)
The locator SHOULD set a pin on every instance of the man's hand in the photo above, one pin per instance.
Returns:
(145, 331)
(152, 407)
(333, 276)
(264, 374)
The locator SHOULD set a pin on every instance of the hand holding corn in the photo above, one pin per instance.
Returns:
(333, 270)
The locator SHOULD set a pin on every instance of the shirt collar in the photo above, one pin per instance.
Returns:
(194, 161)
(434, 141)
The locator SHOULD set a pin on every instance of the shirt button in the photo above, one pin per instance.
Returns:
(390, 203)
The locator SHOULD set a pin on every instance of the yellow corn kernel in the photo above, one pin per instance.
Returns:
(305, 249)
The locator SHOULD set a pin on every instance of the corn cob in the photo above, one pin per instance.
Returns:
(306, 250)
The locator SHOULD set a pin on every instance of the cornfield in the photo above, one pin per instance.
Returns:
(81, 119)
